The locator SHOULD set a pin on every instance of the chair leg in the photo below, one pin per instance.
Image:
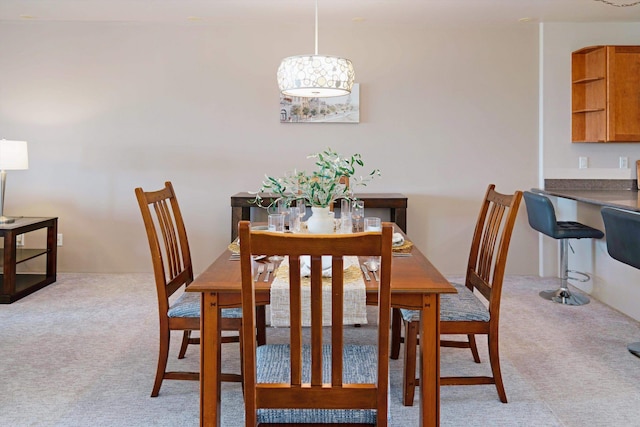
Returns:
(163, 355)
(409, 381)
(396, 333)
(241, 359)
(494, 357)
(185, 343)
(474, 348)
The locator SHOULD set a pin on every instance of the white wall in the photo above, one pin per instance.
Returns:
(613, 283)
(108, 107)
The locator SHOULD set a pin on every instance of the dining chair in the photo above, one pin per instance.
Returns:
(475, 309)
(172, 270)
(322, 381)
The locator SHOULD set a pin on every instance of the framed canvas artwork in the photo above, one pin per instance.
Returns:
(339, 109)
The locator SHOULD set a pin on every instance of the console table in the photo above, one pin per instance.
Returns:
(14, 286)
(396, 203)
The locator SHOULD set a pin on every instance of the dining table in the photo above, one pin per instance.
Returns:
(415, 284)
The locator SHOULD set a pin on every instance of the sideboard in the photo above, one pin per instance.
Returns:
(242, 203)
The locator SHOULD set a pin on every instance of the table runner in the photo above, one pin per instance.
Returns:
(355, 308)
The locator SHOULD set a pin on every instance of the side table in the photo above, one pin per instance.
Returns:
(14, 286)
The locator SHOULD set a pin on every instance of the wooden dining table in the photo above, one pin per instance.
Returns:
(415, 284)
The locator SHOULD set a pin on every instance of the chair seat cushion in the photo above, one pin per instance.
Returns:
(188, 305)
(273, 362)
(575, 230)
(463, 306)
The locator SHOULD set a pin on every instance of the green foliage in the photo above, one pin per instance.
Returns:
(322, 186)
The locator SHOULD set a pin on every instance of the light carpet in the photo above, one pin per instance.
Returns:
(83, 351)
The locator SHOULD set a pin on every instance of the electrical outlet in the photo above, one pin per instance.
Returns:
(20, 240)
(583, 162)
(59, 239)
(624, 162)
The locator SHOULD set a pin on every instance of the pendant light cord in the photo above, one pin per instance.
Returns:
(610, 3)
(316, 27)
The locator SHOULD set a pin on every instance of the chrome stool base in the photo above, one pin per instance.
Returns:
(564, 296)
(634, 349)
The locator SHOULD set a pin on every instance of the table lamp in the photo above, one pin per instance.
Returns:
(13, 156)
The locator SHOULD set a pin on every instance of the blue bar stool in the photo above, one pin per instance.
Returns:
(542, 217)
(623, 243)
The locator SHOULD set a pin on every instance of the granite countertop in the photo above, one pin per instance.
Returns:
(621, 194)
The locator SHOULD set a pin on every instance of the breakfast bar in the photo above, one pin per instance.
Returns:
(613, 283)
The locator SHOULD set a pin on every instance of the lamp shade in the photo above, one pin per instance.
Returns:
(315, 76)
(13, 155)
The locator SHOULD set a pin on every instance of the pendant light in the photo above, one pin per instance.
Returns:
(315, 76)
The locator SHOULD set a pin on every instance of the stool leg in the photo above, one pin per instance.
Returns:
(634, 348)
(564, 295)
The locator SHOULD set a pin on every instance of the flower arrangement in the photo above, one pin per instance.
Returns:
(321, 187)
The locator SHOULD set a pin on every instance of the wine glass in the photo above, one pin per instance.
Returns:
(302, 205)
(357, 214)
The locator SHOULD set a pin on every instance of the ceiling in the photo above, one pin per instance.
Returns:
(374, 11)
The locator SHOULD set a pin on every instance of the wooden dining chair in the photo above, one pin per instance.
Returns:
(172, 270)
(475, 309)
(325, 381)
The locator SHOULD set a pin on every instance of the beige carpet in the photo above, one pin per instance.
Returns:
(82, 352)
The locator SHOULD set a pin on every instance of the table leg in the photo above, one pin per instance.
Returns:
(52, 250)
(210, 360)
(9, 264)
(430, 361)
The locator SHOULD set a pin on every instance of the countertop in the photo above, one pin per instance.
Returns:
(599, 195)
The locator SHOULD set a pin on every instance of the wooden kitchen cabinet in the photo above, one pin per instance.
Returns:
(605, 94)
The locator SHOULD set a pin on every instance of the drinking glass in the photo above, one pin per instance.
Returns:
(283, 210)
(294, 219)
(345, 208)
(372, 223)
(346, 224)
(357, 213)
(276, 223)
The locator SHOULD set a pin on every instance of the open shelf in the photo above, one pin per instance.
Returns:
(602, 81)
(16, 284)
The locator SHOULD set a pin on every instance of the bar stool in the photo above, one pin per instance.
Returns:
(623, 243)
(542, 217)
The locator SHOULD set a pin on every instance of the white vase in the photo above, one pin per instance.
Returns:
(320, 221)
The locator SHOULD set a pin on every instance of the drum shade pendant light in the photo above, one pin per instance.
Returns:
(610, 3)
(315, 76)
